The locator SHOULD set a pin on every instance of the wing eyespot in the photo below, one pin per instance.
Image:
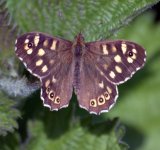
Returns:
(57, 100)
(30, 45)
(48, 90)
(130, 53)
(51, 95)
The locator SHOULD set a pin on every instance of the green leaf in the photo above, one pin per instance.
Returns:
(144, 32)
(10, 142)
(96, 19)
(88, 137)
(138, 104)
(8, 115)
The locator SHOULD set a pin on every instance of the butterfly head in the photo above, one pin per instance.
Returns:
(79, 38)
(79, 45)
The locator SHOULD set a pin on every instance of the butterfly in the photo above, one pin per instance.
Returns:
(92, 69)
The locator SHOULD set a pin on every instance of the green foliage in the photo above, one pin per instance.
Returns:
(74, 128)
(139, 102)
(8, 115)
(96, 19)
(78, 137)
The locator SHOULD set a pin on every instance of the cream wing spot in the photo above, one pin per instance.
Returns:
(54, 79)
(26, 41)
(53, 46)
(101, 85)
(45, 43)
(101, 73)
(118, 59)
(105, 66)
(124, 47)
(44, 68)
(47, 83)
(112, 74)
(29, 51)
(130, 60)
(104, 49)
(39, 62)
(41, 52)
(114, 49)
(26, 47)
(109, 90)
(51, 62)
(134, 50)
(118, 69)
(36, 40)
(134, 56)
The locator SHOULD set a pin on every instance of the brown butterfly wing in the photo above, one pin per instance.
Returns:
(117, 60)
(48, 58)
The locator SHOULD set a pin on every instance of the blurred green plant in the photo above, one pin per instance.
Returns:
(74, 128)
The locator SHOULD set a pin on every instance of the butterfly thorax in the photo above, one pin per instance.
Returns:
(78, 46)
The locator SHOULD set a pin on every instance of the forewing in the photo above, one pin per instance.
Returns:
(39, 52)
(95, 93)
(117, 60)
(48, 58)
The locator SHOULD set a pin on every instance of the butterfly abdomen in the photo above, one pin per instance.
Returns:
(76, 76)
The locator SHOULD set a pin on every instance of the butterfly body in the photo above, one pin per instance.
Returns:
(93, 69)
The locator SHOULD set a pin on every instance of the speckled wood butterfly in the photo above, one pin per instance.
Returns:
(93, 69)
